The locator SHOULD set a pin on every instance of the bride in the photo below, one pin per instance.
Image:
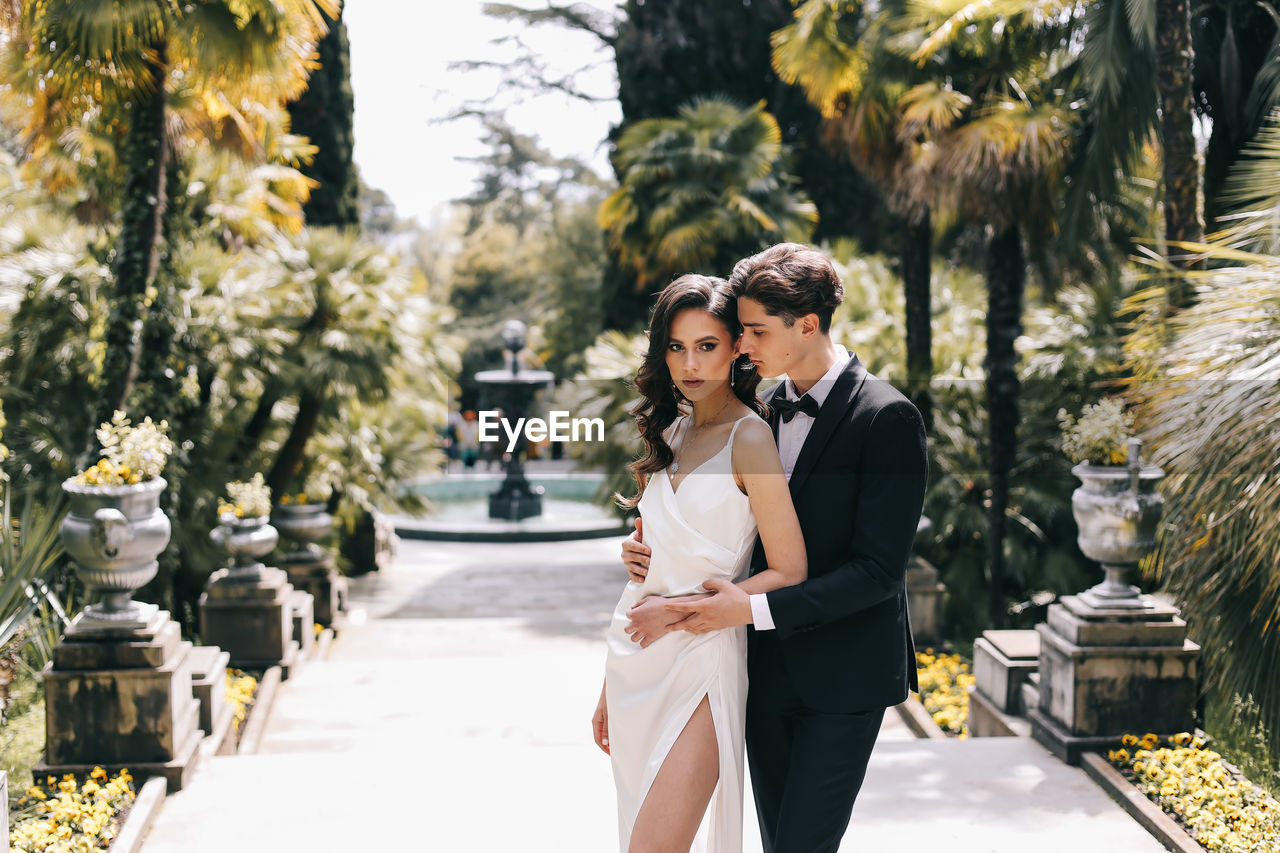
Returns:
(671, 715)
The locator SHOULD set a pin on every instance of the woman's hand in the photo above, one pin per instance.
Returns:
(600, 723)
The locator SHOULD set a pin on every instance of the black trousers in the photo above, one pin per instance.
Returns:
(806, 767)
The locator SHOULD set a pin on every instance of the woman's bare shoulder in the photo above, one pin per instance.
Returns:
(754, 437)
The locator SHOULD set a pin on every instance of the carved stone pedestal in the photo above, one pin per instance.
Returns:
(924, 602)
(302, 618)
(1109, 672)
(1002, 662)
(209, 683)
(317, 575)
(250, 618)
(118, 697)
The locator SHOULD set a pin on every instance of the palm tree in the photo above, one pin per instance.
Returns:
(701, 190)
(356, 329)
(869, 95)
(999, 161)
(1142, 79)
(1207, 404)
(122, 62)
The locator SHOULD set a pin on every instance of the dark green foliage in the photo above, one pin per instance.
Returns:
(701, 190)
(1038, 550)
(1237, 81)
(324, 114)
(670, 52)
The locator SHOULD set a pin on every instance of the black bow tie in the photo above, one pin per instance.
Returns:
(787, 409)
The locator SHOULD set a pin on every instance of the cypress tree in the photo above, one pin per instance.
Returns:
(324, 114)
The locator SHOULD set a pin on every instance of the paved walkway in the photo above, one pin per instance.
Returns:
(455, 716)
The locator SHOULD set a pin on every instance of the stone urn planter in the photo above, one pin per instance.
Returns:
(306, 524)
(1117, 512)
(114, 534)
(310, 568)
(246, 540)
(1111, 660)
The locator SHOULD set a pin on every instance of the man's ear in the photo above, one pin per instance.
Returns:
(809, 325)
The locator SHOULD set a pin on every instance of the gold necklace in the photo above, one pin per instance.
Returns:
(689, 439)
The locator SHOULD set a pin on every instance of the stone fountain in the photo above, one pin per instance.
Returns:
(512, 390)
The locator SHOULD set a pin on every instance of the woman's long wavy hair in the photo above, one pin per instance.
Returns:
(659, 399)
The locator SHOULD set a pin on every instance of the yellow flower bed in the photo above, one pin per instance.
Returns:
(62, 816)
(240, 692)
(1222, 811)
(944, 690)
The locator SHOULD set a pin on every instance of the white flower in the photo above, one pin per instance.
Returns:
(251, 499)
(1100, 436)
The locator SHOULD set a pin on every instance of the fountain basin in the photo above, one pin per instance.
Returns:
(461, 507)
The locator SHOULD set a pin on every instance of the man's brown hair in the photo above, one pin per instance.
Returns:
(790, 280)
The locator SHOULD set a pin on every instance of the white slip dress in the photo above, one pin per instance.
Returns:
(705, 530)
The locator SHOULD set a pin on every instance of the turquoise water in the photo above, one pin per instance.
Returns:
(475, 487)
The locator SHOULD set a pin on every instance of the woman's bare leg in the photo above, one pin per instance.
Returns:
(673, 809)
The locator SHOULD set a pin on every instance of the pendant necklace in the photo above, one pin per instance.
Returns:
(689, 439)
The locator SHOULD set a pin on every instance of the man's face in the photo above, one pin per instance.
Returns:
(771, 344)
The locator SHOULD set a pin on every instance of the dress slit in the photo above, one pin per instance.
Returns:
(707, 837)
(667, 744)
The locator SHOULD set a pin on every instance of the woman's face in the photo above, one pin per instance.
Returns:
(700, 353)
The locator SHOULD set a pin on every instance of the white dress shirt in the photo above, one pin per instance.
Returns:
(791, 438)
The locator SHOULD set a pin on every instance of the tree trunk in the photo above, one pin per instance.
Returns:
(157, 383)
(1181, 168)
(257, 426)
(1006, 281)
(917, 258)
(143, 155)
(289, 459)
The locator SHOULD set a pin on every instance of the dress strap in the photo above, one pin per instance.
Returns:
(736, 424)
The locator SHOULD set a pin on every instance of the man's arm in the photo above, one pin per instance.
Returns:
(890, 499)
(755, 458)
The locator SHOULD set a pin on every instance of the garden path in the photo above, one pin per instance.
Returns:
(453, 714)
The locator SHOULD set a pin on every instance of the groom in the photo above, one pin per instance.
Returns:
(825, 657)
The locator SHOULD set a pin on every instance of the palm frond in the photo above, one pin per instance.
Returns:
(1205, 384)
(930, 108)
(816, 51)
(1252, 193)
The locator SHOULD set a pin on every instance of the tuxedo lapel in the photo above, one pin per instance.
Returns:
(838, 402)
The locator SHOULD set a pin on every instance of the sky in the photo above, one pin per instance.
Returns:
(403, 87)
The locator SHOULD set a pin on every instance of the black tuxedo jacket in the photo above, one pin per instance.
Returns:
(842, 638)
